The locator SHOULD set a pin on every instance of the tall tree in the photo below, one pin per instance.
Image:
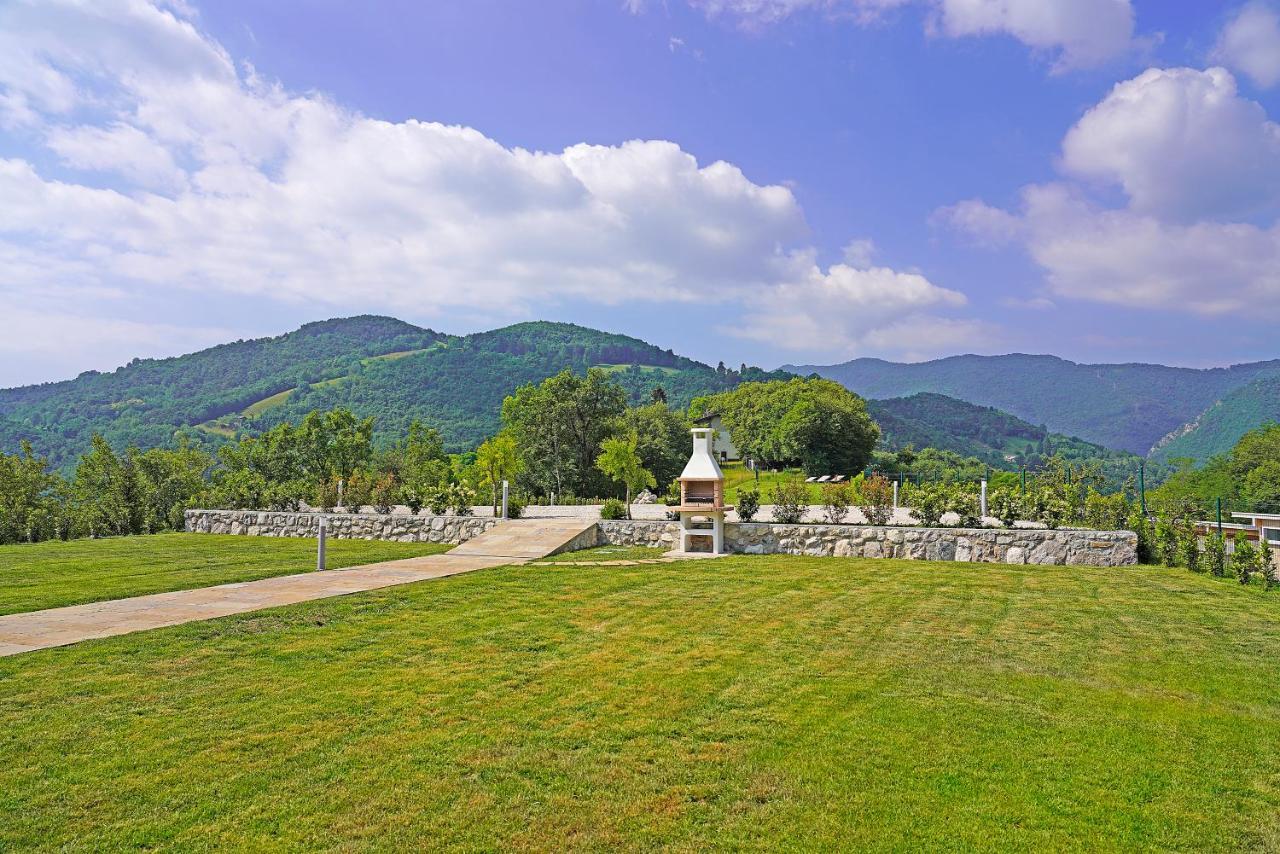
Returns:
(499, 459)
(620, 460)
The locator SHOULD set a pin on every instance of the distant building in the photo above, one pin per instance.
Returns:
(721, 444)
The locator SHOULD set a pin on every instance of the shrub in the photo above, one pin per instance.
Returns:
(1141, 526)
(357, 490)
(876, 505)
(326, 495)
(412, 499)
(1006, 505)
(461, 498)
(1166, 541)
(748, 505)
(928, 503)
(1266, 565)
(835, 502)
(790, 502)
(1214, 560)
(1051, 507)
(965, 504)
(1105, 512)
(1244, 559)
(384, 493)
(1189, 546)
(613, 508)
(437, 500)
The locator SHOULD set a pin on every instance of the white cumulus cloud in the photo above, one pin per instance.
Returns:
(1250, 44)
(1181, 143)
(1201, 169)
(221, 182)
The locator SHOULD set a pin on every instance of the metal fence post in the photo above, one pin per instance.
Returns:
(320, 543)
(1219, 502)
(1142, 485)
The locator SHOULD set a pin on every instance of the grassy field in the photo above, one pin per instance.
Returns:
(607, 553)
(47, 575)
(763, 702)
(738, 477)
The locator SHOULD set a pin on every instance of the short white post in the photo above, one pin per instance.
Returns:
(505, 494)
(320, 544)
(982, 498)
(895, 495)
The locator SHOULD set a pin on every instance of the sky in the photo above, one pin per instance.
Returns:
(759, 181)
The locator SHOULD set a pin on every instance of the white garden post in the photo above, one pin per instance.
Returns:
(982, 498)
(505, 493)
(895, 495)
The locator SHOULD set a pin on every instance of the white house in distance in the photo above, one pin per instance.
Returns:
(721, 444)
(1255, 526)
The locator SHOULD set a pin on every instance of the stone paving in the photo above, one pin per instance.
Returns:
(513, 542)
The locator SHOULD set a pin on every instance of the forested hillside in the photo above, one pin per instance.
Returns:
(1127, 406)
(1216, 430)
(458, 387)
(145, 402)
(376, 366)
(996, 438)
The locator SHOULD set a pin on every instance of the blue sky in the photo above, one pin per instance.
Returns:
(765, 181)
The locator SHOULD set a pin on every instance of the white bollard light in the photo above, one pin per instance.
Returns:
(506, 491)
(983, 498)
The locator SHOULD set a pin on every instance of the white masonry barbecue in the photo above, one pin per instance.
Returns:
(702, 506)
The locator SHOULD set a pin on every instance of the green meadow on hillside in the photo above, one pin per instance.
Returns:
(766, 702)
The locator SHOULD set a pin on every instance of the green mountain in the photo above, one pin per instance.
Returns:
(148, 400)
(1216, 430)
(377, 366)
(1129, 406)
(997, 438)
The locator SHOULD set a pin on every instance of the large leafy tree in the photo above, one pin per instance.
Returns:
(31, 497)
(559, 425)
(814, 423)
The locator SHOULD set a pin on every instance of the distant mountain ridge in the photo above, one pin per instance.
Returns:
(1123, 406)
(377, 366)
(1217, 429)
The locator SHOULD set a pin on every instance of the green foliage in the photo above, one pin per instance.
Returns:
(1248, 478)
(964, 502)
(835, 502)
(1244, 559)
(1006, 504)
(613, 508)
(1166, 540)
(32, 499)
(748, 504)
(1105, 512)
(989, 437)
(498, 459)
(1267, 569)
(815, 424)
(790, 502)
(560, 425)
(1214, 560)
(620, 461)
(876, 499)
(928, 502)
(662, 438)
(1217, 429)
(1140, 524)
(1189, 546)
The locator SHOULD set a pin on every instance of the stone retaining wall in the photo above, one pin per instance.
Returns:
(984, 545)
(979, 545)
(343, 526)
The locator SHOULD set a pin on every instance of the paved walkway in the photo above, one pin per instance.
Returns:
(513, 542)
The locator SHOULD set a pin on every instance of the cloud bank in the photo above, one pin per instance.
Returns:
(164, 166)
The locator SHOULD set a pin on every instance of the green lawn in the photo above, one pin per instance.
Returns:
(738, 477)
(47, 575)
(607, 553)
(741, 703)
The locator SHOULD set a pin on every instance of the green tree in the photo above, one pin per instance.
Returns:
(814, 423)
(662, 439)
(1244, 559)
(31, 498)
(101, 492)
(620, 461)
(559, 426)
(499, 459)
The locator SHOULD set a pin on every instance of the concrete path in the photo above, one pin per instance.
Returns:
(512, 542)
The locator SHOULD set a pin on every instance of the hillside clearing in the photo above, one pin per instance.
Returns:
(747, 702)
